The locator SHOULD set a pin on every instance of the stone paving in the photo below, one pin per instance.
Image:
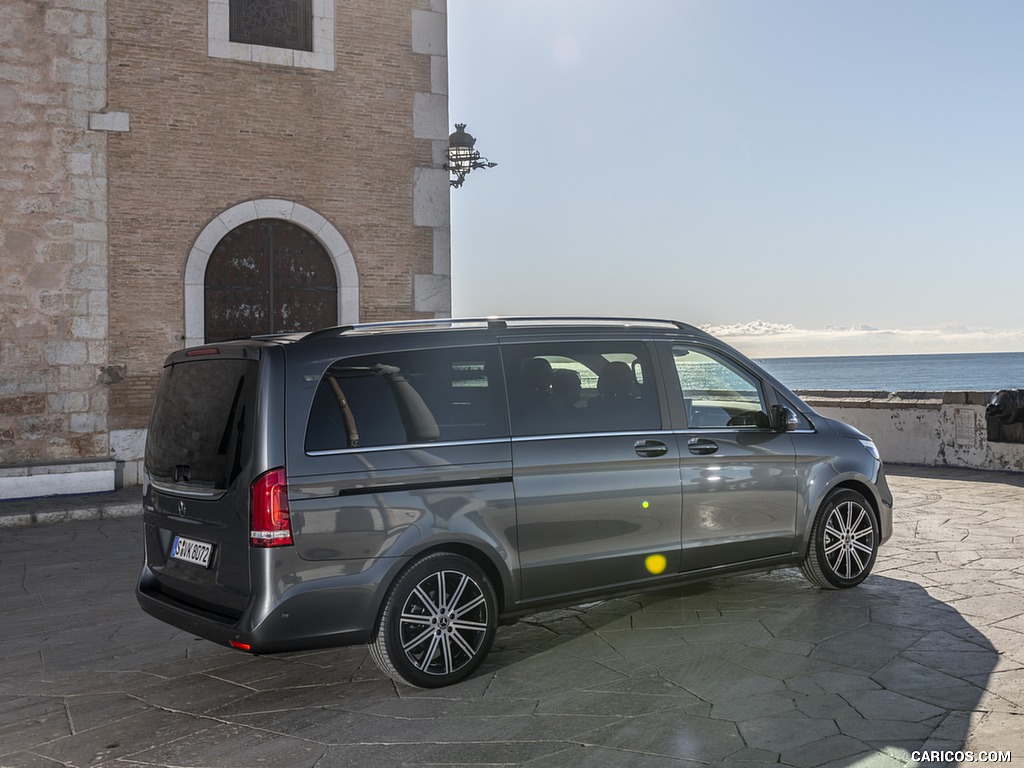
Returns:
(927, 655)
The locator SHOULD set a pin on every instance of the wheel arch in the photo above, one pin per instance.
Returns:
(487, 559)
(853, 482)
(861, 487)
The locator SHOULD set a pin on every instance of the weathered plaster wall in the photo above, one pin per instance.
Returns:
(929, 428)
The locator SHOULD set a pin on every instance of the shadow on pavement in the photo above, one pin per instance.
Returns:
(755, 670)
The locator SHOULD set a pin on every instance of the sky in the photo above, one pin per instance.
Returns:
(801, 177)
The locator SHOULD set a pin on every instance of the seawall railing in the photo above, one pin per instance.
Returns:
(945, 429)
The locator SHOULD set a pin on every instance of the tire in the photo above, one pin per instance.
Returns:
(437, 623)
(844, 542)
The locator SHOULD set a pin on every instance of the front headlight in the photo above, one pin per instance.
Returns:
(872, 449)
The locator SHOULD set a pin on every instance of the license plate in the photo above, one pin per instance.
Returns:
(191, 551)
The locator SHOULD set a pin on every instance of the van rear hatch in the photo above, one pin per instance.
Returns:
(198, 474)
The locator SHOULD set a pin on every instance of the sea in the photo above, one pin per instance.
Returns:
(972, 372)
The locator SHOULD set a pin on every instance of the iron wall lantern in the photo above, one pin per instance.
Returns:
(462, 158)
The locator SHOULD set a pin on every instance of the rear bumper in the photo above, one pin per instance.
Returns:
(312, 618)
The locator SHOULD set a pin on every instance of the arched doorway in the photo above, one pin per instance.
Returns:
(268, 276)
(323, 231)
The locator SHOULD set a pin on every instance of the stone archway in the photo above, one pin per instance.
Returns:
(268, 276)
(338, 251)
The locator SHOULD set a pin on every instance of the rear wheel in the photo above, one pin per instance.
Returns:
(844, 542)
(437, 623)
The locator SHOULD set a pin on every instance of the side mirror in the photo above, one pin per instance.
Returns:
(783, 419)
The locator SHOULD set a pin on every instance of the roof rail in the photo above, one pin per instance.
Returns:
(497, 321)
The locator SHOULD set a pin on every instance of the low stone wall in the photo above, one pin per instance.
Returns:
(946, 429)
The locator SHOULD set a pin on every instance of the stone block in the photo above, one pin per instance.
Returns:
(127, 444)
(70, 72)
(89, 278)
(20, 75)
(86, 6)
(97, 351)
(87, 422)
(21, 353)
(77, 376)
(68, 402)
(439, 74)
(60, 228)
(88, 50)
(109, 121)
(47, 276)
(430, 116)
(263, 54)
(65, 21)
(40, 427)
(442, 250)
(67, 353)
(22, 405)
(431, 197)
(94, 231)
(429, 33)
(433, 293)
(89, 327)
(88, 100)
(59, 251)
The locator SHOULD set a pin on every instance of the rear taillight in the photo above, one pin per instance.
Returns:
(271, 520)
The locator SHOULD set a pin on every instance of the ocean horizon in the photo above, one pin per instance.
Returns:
(970, 372)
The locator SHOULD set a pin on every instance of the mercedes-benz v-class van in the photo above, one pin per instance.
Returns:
(412, 485)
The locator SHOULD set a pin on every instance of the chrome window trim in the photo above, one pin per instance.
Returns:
(489, 441)
(742, 430)
(573, 435)
(408, 446)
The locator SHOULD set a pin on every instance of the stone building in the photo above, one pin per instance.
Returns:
(173, 173)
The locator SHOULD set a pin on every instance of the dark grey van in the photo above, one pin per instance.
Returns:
(411, 485)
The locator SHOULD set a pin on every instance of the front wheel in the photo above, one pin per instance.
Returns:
(437, 623)
(844, 542)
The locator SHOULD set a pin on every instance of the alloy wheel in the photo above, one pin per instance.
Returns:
(443, 623)
(849, 539)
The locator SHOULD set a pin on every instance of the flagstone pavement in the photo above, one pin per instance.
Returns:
(922, 665)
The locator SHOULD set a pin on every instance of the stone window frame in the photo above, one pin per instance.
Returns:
(321, 57)
(329, 237)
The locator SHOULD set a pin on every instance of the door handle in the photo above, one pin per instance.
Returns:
(701, 446)
(650, 448)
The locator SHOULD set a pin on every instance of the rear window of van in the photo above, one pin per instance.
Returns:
(202, 425)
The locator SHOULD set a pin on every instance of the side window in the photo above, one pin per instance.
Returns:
(289, 33)
(275, 23)
(410, 397)
(716, 392)
(585, 386)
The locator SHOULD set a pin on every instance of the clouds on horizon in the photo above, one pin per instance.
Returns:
(765, 339)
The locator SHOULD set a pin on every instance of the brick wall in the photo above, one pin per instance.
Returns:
(53, 232)
(123, 138)
(208, 133)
